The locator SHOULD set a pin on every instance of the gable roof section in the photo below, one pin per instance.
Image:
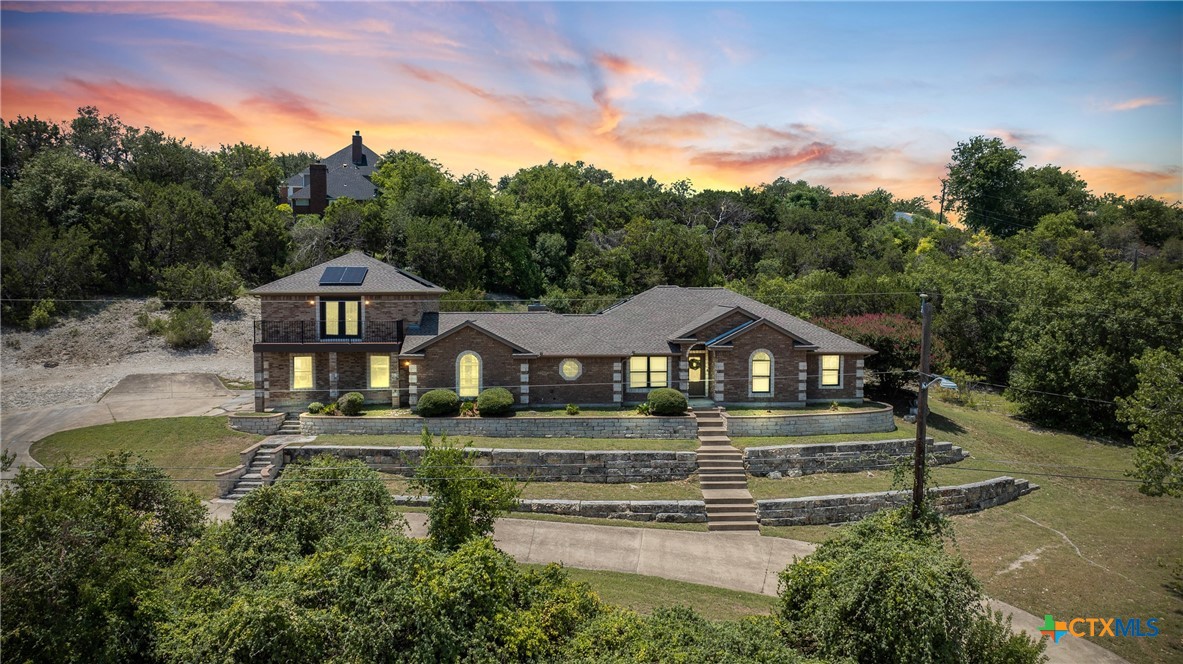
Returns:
(381, 278)
(715, 313)
(725, 338)
(421, 344)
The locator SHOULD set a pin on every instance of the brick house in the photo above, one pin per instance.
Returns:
(343, 174)
(357, 324)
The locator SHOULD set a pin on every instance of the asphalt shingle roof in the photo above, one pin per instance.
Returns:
(343, 178)
(381, 278)
(641, 325)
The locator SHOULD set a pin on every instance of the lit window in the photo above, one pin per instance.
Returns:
(570, 369)
(379, 372)
(301, 372)
(468, 374)
(351, 317)
(831, 370)
(341, 318)
(761, 372)
(648, 371)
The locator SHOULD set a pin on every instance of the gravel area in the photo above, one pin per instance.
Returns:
(86, 353)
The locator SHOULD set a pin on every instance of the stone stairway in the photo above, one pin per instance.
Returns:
(290, 426)
(253, 478)
(729, 505)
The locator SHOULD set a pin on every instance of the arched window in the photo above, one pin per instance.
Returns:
(468, 374)
(761, 372)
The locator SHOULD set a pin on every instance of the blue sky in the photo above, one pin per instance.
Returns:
(849, 95)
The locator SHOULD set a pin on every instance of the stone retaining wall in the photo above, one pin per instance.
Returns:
(797, 460)
(820, 510)
(593, 466)
(811, 424)
(264, 425)
(666, 428)
(665, 511)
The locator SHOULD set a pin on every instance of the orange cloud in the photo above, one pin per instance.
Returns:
(780, 157)
(1163, 183)
(1136, 103)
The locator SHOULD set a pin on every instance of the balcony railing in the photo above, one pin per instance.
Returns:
(309, 332)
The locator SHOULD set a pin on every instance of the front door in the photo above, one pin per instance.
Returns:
(699, 373)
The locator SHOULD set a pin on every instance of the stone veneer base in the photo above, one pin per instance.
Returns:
(665, 428)
(852, 457)
(263, 425)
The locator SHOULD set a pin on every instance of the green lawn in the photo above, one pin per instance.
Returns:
(190, 449)
(684, 490)
(646, 593)
(762, 441)
(592, 411)
(1076, 547)
(808, 410)
(516, 443)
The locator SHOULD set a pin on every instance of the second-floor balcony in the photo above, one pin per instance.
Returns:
(312, 332)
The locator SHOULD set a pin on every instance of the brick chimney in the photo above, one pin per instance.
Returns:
(358, 157)
(318, 188)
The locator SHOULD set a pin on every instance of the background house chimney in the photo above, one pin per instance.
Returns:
(318, 188)
(358, 157)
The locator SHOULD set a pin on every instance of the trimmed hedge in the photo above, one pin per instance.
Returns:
(495, 402)
(667, 401)
(350, 403)
(315, 408)
(438, 403)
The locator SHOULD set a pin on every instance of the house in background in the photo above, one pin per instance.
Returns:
(356, 324)
(343, 174)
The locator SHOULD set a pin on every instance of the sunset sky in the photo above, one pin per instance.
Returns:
(850, 95)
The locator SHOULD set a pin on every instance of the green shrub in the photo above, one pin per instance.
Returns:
(438, 403)
(213, 286)
(330, 409)
(644, 408)
(886, 590)
(495, 402)
(468, 409)
(189, 327)
(315, 408)
(667, 401)
(42, 315)
(572, 409)
(350, 403)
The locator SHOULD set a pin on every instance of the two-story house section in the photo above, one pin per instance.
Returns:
(334, 328)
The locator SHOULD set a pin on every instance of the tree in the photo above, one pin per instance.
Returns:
(252, 164)
(465, 500)
(897, 340)
(84, 548)
(182, 227)
(23, 139)
(886, 590)
(163, 160)
(444, 251)
(291, 163)
(261, 251)
(986, 185)
(1154, 412)
(98, 139)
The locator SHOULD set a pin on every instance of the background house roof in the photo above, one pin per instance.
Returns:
(381, 278)
(640, 325)
(343, 179)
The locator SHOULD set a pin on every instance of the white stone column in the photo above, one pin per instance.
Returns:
(802, 377)
(395, 394)
(412, 384)
(617, 383)
(332, 376)
(524, 379)
(684, 376)
(719, 381)
(859, 374)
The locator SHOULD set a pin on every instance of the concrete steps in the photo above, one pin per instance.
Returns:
(290, 426)
(253, 479)
(722, 478)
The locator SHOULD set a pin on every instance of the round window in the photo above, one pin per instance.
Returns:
(570, 368)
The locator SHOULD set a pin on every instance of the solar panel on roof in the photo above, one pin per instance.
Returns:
(354, 276)
(332, 276)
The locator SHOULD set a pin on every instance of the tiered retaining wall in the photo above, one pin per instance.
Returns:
(820, 510)
(811, 424)
(797, 460)
(593, 466)
(264, 425)
(668, 428)
(665, 511)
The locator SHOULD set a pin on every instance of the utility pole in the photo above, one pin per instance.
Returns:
(942, 216)
(921, 407)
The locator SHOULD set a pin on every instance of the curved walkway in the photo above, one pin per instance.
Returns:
(739, 561)
(136, 397)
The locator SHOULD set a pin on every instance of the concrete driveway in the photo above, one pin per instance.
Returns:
(136, 397)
